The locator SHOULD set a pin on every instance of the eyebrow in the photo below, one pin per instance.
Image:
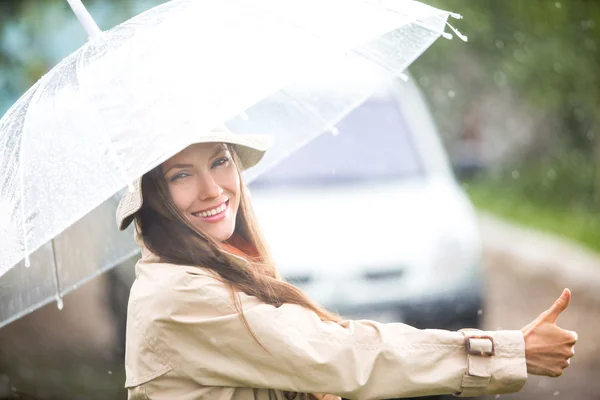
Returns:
(219, 150)
(178, 166)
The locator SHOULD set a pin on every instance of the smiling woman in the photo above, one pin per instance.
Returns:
(209, 316)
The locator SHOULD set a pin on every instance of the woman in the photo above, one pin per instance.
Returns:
(209, 317)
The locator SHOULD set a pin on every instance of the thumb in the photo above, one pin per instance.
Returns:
(560, 305)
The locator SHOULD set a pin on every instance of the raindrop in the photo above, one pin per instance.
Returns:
(500, 78)
(519, 37)
(515, 174)
(588, 24)
(244, 116)
(520, 55)
(590, 135)
(557, 4)
(556, 393)
(334, 131)
(499, 44)
(110, 372)
(424, 81)
(451, 94)
(59, 303)
(27, 261)
(479, 312)
(497, 396)
(551, 174)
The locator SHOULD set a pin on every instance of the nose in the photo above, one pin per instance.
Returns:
(209, 188)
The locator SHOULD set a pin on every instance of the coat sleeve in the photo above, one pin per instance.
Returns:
(194, 327)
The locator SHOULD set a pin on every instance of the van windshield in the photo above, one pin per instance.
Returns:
(374, 143)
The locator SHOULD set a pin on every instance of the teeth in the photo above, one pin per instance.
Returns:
(211, 212)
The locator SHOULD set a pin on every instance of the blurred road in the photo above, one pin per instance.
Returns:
(526, 272)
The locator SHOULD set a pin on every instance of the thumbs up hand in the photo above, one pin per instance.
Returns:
(548, 348)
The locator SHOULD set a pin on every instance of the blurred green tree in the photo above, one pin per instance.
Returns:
(547, 52)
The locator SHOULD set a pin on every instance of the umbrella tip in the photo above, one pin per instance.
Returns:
(462, 37)
(85, 19)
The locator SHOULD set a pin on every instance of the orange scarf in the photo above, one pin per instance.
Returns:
(239, 246)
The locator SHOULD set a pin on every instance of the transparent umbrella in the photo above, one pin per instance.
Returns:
(136, 94)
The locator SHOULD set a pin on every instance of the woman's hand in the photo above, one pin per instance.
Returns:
(548, 348)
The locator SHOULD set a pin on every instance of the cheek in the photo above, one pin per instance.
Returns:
(235, 188)
(182, 196)
(229, 180)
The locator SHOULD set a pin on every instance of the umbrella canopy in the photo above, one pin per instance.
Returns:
(133, 96)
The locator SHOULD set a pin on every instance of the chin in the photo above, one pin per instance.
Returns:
(221, 234)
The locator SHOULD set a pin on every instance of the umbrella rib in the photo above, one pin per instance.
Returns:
(59, 300)
(386, 67)
(311, 113)
(23, 218)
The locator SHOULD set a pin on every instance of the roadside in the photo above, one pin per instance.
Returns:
(526, 271)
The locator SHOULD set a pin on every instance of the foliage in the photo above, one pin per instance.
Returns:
(546, 53)
(35, 35)
(501, 198)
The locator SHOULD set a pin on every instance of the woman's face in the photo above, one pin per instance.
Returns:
(205, 186)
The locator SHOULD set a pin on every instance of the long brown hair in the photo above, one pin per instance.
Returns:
(170, 236)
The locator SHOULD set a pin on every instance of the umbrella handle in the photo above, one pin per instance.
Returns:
(85, 18)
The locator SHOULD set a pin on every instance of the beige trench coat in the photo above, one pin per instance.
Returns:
(185, 341)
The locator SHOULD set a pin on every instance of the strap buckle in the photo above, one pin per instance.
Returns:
(475, 346)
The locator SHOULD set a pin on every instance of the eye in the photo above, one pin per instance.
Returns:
(178, 176)
(220, 161)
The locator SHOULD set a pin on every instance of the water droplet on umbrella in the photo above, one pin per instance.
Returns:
(59, 303)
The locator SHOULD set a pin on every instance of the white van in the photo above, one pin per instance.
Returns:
(371, 222)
